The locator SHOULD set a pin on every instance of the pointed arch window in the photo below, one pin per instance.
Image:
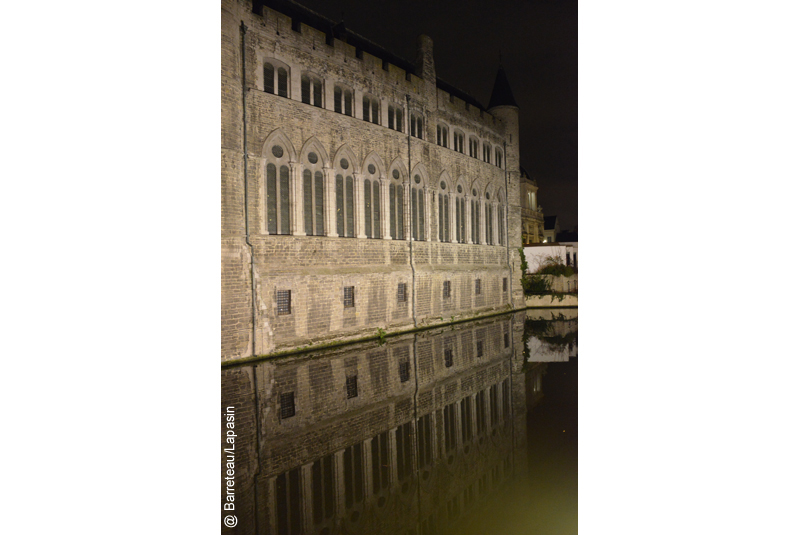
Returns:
(311, 89)
(276, 78)
(313, 195)
(444, 213)
(345, 220)
(489, 221)
(372, 203)
(461, 221)
(278, 190)
(498, 157)
(476, 217)
(396, 205)
(487, 153)
(501, 224)
(417, 209)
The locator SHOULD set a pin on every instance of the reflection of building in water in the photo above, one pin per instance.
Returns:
(411, 435)
(553, 339)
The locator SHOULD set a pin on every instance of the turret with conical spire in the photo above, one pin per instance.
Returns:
(501, 94)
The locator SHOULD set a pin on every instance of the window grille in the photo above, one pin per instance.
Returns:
(405, 370)
(446, 290)
(349, 296)
(477, 287)
(287, 405)
(448, 358)
(284, 302)
(479, 350)
(352, 386)
(401, 292)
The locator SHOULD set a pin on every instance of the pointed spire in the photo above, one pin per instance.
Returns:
(501, 94)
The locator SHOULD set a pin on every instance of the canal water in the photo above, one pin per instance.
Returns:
(469, 428)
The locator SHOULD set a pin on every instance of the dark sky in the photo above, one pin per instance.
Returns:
(539, 43)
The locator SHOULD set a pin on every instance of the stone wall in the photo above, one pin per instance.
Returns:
(315, 269)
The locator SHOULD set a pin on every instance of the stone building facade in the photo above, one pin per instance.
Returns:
(359, 191)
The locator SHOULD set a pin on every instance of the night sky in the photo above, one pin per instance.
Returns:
(539, 44)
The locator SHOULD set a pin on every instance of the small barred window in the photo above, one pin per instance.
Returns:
(352, 386)
(446, 290)
(284, 302)
(287, 405)
(401, 292)
(349, 296)
(448, 358)
(479, 349)
(477, 287)
(405, 371)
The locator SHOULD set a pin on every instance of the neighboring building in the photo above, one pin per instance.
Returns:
(536, 255)
(532, 217)
(551, 228)
(359, 191)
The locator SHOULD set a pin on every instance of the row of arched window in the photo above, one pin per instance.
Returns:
(277, 77)
(443, 139)
(339, 198)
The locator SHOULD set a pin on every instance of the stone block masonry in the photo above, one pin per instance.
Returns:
(339, 198)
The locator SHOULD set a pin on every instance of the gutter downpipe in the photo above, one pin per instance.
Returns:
(410, 237)
(243, 32)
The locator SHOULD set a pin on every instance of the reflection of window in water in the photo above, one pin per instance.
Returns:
(353, 475)
(380, 462)
(449, 427)
(403, 440)
(287, 497)
(480, 401)
(424, 441)
(466, 419)
(323, 486)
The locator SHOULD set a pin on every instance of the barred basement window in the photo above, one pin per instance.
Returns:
(284, 302)
(479, 349)
(349, 296)
(446, 290)
(448, 358)
(404, 369)
(477, 286)
(505, 284)
(352, 386)
(505, 340)
(287, 405)
(401, 292)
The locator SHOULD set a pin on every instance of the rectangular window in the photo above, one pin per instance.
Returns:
(446, 290)
(352, 386)
(505, 340)
(404, 369)
(448, 358)
(401, 292)
(479, 349)
(287, 405)
(505, 284)
(349, 296)
(284, 302)
(477, 287)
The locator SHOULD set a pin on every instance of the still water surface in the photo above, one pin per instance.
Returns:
(466, 429)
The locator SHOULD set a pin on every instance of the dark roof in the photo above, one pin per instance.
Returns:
(501, 94)
(301, 14)
(550, 222)
(567, 236)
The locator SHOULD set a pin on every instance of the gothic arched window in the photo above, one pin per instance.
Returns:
(344, 199)
(278, 190)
